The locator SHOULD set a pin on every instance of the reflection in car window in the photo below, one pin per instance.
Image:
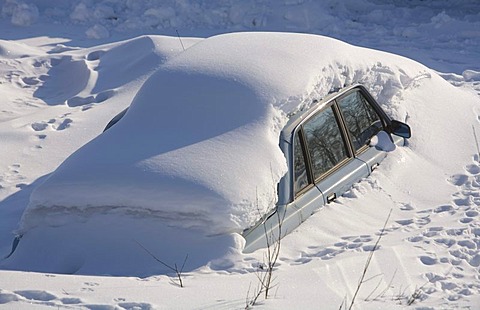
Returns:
(300, 170)
(325, 144)
(361, 119)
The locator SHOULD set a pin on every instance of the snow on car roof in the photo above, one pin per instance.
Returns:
(200, 142)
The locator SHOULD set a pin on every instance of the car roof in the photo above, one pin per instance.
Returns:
(281, 69)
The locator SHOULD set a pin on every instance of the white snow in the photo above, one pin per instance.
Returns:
(67, 67)
(382, 141)
(24, 14)
(210, 117)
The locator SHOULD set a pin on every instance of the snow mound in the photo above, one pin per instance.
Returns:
(12, 50)
(200, 141)
(132, 59)
(197, 152)
(58, 85)
(103, 70)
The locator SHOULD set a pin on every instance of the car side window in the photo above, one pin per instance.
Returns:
(361, 119)
(325, 143)
(300, 167)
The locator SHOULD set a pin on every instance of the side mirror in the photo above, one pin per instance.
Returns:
(400, 129)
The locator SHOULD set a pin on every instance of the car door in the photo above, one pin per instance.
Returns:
(332, 164)
(328, 150)
(363, 119)
(307, 196)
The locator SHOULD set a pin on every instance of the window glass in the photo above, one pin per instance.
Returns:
(360, 118)
(325, 144)
(300, 169)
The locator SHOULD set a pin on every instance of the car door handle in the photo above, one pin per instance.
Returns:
(331, 197)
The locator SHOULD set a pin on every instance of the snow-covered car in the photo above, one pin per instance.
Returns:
(221, 138)
(338, 141)
(330, 146)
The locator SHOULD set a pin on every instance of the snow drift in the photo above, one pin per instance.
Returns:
(200, 141)
(197, 153)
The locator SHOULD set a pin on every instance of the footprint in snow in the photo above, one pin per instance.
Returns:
(405, 222)
(7, 297)
(471, 213)
(464, 201)
(432, 231)
(448, 242)
(13, 176)
(328, 253)
(469, 244)
(64, 125)
(463, 243)
(70, 301)
(473, 169)
(323, 253)
(135, 305)
(458, 179)
(466, 220)
(406, 207)
(30, 81)
(419, 220)
(99, 307)
(428, 260)
(422, 221)
(36, 295)
(349, 243)
(415, 239)
(78, 101)
(95, 55)
(104, 95)
(444, 208)
(39, 126)
(53, 123)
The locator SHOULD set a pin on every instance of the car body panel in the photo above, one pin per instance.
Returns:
(342, 180)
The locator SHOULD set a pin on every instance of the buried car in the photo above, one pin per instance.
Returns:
(223, 136)
(335, 143)
(328, 148)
